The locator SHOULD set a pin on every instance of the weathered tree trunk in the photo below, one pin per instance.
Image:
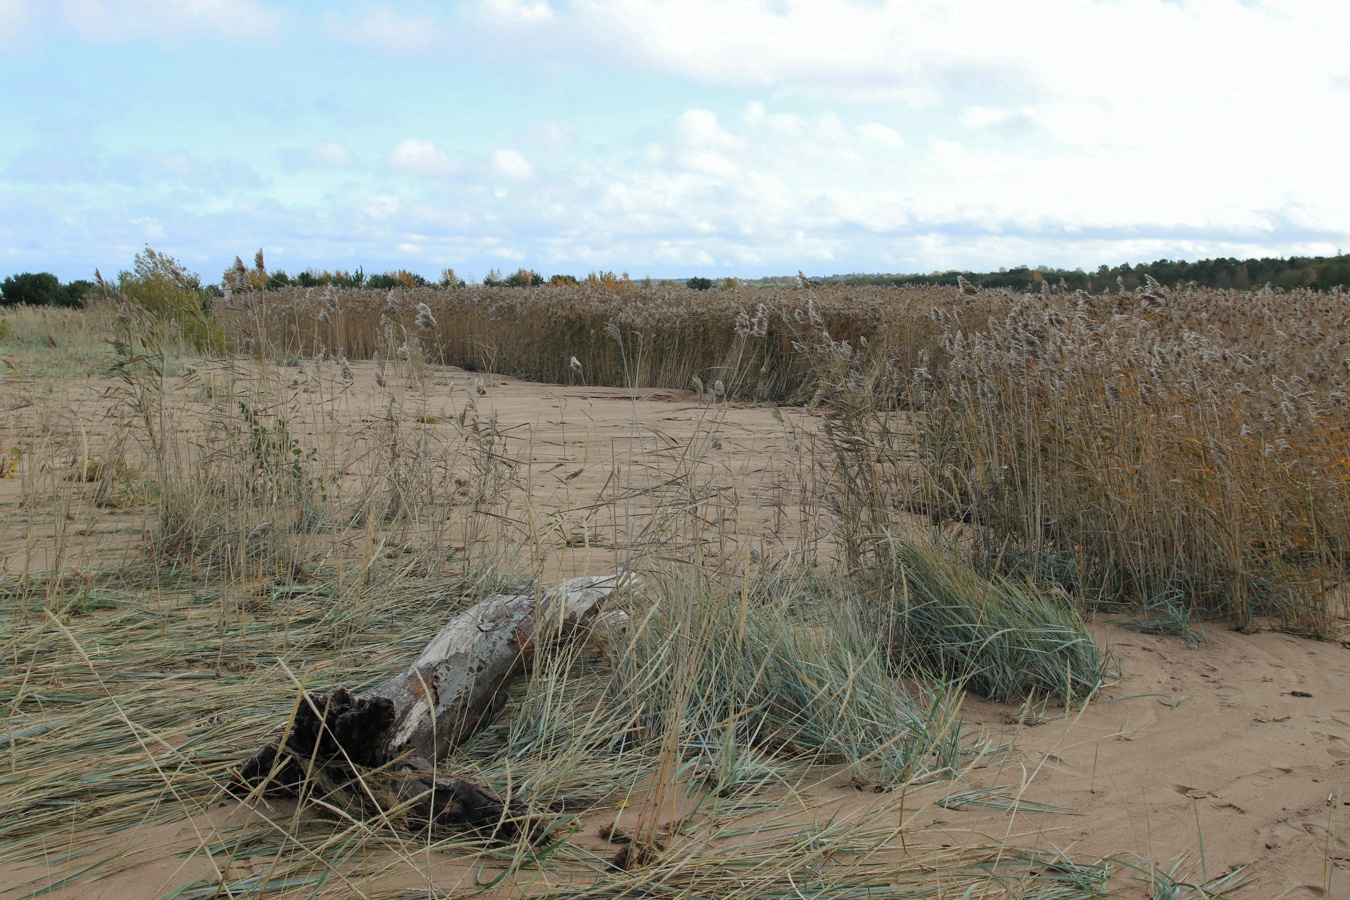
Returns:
(380, 748)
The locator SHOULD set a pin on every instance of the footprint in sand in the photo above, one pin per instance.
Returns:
(1193, 793)
(1339, 748)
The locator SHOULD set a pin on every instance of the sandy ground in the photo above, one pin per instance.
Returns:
(1238, 749)
(599, 474)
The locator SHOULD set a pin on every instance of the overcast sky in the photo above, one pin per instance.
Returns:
(712, 137)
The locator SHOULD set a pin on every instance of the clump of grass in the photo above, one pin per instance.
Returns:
(797, 670)
(1120, 446)
(1184, 880)
(1168, 613)
(226, 497)
(250, 477)
(711, 702)
(1003, 639)
(47, 342)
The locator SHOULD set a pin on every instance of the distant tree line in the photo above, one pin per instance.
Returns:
(43, 289)
(1323, 272)
(240, 277)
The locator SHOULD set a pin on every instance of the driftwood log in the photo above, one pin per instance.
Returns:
(378, 751)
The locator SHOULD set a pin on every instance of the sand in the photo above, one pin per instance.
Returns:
(1239, 747)
(1236, 751)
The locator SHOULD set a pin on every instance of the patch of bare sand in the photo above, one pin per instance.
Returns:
(598, 475)
(613, 472)
(1215, 748)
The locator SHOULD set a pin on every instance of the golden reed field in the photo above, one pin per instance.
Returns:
(925, 592)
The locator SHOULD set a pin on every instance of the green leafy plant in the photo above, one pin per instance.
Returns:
(279, 464)
(171, 292)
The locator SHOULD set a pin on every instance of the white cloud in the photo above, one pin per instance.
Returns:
(1008, 66)
(487, 27)
(421, 159)
(879, 49)
(993, 118)
(783, 123)
(700, 144)
(511, 165)
(552, 135)
(867, 134)
(880, 135)
(105, 20)
(380, 207)
(321, 155)
(928, 48)
(388, 29)
(530, 12)
(699, 128)
(844, 193)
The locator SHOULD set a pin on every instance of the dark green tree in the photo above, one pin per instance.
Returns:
(519, 278)
(42, 289)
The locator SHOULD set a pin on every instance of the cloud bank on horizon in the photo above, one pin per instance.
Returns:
(744, 137)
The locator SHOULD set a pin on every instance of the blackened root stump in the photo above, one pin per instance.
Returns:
(376, 753)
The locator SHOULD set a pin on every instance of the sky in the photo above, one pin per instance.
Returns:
(704, 137)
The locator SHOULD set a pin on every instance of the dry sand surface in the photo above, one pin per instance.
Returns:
(1238, 749)
(593, 464)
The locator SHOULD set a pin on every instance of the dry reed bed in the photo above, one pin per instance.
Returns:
(1180, 448)
(269, 477)
(251, 468)
(619, 334)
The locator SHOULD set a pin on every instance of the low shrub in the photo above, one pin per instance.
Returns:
(169, 291)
